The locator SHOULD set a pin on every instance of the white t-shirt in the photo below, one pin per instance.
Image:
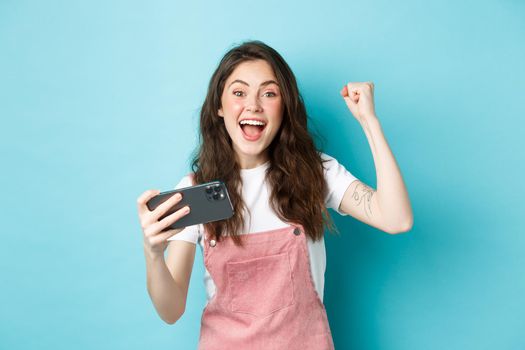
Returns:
(256, 195)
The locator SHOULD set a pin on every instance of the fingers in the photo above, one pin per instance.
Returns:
(155, 232)
(356, 87)
(149, 219)
(164, 207)
(144, 198)
(158, 226)
(351, 97)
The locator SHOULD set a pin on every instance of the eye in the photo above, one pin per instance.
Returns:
(270, 93)
(238, 93)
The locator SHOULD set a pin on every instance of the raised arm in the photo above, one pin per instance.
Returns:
(387, 208)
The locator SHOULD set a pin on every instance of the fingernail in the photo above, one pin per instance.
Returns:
(187, 210)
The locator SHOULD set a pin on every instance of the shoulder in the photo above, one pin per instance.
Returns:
(334, 170)
(329, 162)
(338, 179)
(185, 181)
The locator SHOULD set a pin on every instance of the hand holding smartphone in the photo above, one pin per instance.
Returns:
(208, 202)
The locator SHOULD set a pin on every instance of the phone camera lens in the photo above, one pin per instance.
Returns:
(215, 196)
(209, 189)
(217, 188)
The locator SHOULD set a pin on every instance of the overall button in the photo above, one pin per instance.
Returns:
(296, 231)
(213, 243)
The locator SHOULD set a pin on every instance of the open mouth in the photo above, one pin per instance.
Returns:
(252, 128)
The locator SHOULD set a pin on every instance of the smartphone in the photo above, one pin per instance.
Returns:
(208, 202)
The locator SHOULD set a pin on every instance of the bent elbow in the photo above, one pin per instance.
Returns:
(169, 321)
(172, 319)
(401, 228)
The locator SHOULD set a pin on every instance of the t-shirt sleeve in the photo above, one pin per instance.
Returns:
(189, 233)
(338, 179)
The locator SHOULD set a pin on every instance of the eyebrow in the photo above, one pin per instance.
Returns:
(267, 82)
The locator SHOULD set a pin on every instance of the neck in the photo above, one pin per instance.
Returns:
(249, 162)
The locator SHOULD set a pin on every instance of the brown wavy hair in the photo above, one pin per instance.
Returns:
(295, 173)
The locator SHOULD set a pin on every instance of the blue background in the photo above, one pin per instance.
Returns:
(100, 101)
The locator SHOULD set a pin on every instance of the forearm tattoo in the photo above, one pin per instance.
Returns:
(363, 195)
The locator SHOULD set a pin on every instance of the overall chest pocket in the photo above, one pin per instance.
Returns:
(261, 286)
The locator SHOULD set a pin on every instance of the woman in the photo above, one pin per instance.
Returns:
(265, 265)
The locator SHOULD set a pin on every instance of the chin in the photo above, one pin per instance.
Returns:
(253, 151)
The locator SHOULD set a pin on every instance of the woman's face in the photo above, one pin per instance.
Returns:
(252, 109)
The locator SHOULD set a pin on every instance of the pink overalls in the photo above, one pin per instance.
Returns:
(265, 296)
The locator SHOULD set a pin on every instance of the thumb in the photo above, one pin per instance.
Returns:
(351, 98)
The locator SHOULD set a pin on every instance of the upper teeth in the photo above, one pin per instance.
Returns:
(251, 122)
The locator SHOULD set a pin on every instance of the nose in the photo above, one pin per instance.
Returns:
(253, 104)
